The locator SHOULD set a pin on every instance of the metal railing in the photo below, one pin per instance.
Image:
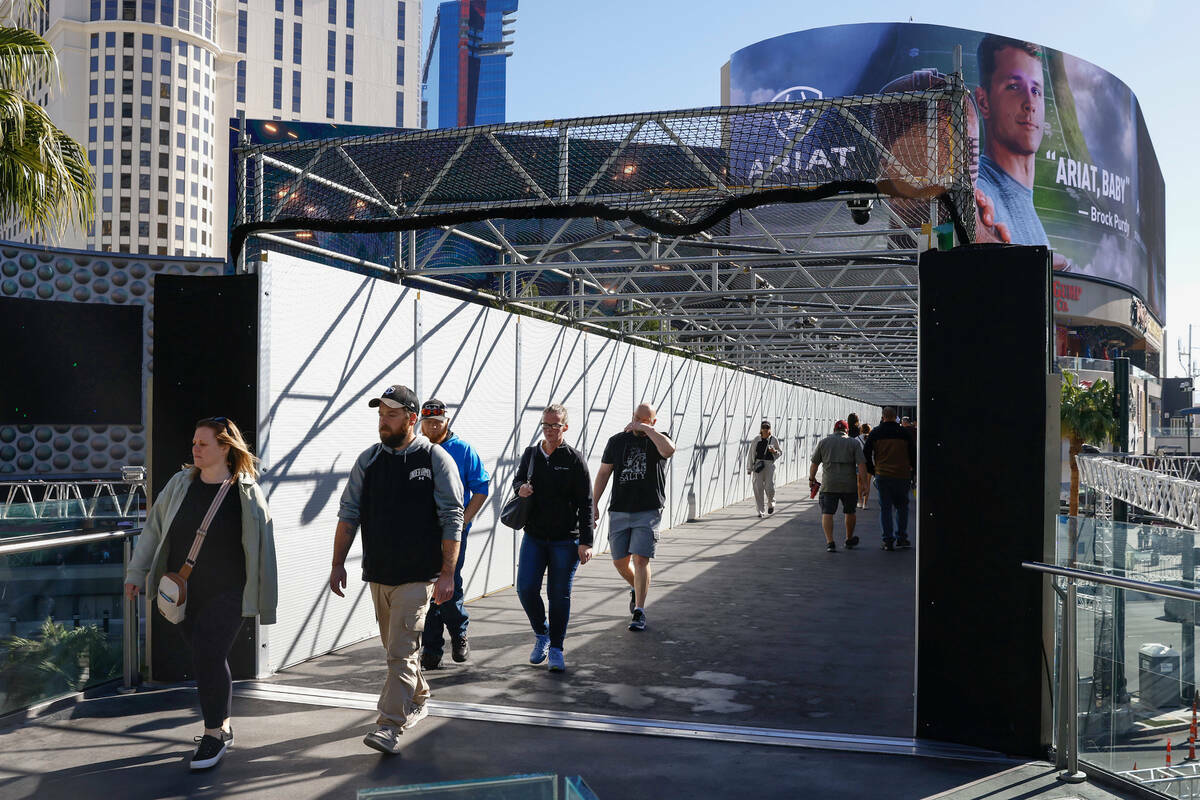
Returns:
(48, 500)
(1067, 755)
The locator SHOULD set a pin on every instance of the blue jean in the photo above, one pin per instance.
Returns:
(558, 562)
(451, 616)
(893, 494)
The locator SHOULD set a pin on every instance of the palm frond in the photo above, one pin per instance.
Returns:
(26, 58)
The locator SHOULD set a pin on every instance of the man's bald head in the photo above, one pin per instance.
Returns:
(889, 414)
(645, 413)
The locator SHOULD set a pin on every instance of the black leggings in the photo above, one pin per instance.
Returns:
(209, 629)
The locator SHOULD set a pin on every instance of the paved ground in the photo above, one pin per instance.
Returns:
(752, 624)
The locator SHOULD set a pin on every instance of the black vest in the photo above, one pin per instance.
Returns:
(402, 538)
(761, 452)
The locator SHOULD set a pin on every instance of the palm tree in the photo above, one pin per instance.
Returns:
(46, 181)
(1087, 415)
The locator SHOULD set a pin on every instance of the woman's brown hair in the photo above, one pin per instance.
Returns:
(239, 458)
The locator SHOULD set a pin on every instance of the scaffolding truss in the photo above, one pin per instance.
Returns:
(780, 238)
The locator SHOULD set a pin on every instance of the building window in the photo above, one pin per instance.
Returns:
(299, 8)
(399, 66)
(331, 57)
(349, 101)
(279, 6)
(349, 54)
(185, 14)
(241, 81)
(297, 42)
(277, 95)
(349, 13)
(241, 31)
(148, 11)
(399, 109)
(295, 93)
(400, 20)
(333, 12)
(329, 84)
(279, 40)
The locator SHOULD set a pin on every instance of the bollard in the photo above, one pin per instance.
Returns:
(1168, 752)
(691, 500)
(104, 621)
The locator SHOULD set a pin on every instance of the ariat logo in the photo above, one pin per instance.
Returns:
(421, 474)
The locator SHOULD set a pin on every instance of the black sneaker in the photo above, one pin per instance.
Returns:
(830, 547)
(460, 649)
(771, 509)
(852, 542)
(639, 620)
(632, 601)
(902, 543)
(431, 660)
(887, 545)
(210, 750)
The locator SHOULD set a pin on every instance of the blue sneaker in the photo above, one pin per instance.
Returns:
(557, 662)
(540, 645)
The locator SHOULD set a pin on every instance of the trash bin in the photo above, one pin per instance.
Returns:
(1158, 676)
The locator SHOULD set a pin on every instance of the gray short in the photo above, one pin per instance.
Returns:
(633, 532)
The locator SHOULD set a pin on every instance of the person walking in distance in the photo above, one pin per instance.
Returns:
(864, 483)
(558, 534)
(891, 455)
(452, 616)
(405, 494)
(760, 465)
(233, 575)
(843, 465)
(638, 456)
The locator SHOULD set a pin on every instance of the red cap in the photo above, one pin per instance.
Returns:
(841, 425)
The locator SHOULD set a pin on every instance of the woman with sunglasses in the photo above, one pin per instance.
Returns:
(234, 572)
(558, 533)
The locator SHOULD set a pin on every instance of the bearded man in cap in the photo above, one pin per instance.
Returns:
(405, 494)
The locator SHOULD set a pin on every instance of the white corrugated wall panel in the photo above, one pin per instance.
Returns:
(334, 340)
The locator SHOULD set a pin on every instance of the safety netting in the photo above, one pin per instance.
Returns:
(675, 173)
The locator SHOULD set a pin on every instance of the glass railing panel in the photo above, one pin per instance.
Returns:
(575, 788)
(512, 787)
(61, 621)
(1142, 551)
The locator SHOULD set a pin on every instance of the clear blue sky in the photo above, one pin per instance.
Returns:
(583, 57)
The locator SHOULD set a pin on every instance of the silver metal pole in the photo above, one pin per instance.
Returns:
(1071, 690)
(129, 625)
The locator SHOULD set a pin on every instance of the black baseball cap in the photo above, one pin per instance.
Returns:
(433, 408)
(397, 396)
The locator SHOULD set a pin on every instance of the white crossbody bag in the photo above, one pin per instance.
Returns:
(172, 587)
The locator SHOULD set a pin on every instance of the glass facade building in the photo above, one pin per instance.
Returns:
(464, 79)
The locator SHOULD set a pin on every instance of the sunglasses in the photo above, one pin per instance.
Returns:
(224, 422)
(433, 412)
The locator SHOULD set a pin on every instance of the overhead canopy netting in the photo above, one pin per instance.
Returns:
(675, 173)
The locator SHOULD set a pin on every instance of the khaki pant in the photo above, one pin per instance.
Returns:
(763, 483)
(400, 611)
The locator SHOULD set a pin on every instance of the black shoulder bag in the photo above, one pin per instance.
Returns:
(516, 511)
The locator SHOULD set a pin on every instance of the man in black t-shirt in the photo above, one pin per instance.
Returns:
(638, 458)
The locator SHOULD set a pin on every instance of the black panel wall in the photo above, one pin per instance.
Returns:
(985, 420)
(205, 365)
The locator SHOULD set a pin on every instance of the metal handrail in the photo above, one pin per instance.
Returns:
(27, 544)
(1148, 587)
(1068, 738)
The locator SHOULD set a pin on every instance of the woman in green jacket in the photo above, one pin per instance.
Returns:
(234, 574)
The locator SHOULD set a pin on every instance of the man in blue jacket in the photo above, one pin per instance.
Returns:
(474, 476)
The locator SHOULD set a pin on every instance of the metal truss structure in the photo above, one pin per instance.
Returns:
(51, 500)
(705, 232)
(1138, 481)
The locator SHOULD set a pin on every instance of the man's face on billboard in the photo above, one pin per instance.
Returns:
(1013, 105)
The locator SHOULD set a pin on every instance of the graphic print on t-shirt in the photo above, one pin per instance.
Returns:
(633, 467)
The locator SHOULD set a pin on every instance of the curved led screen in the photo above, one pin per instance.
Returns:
(1064, 155)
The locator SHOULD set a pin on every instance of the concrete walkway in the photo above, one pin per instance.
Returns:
(751, 622)
(752, 625)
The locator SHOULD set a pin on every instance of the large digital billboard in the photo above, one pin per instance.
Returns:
(1064, 158)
